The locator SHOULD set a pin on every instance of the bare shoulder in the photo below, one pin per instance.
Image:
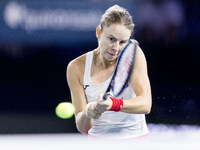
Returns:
(76, 67)
(77, 63)
(140, 59)
(140, 54)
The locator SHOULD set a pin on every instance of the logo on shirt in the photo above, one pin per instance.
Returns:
(86, 86)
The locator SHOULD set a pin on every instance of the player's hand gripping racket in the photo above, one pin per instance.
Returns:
(122, 71)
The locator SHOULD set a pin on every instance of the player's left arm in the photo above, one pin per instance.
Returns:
(141, 104)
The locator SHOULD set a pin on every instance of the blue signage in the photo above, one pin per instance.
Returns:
(51, 22)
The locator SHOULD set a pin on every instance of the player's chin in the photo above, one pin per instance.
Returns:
(111, 59)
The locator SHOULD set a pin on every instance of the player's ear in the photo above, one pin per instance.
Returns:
(98, 32)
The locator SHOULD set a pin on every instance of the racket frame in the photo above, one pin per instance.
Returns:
(111, 84)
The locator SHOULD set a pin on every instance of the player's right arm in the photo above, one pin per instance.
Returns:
(74, 74)
(83, 111)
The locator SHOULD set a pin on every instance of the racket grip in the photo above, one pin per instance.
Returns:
(108, 94)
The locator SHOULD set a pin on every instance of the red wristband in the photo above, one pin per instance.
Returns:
(117, 104)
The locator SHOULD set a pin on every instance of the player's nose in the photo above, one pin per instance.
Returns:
(116, 46)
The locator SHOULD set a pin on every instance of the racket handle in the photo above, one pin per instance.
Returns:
(108, 94)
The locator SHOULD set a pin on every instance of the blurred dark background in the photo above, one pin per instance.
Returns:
(39, 38)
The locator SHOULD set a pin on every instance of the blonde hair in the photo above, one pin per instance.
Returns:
(114, 15)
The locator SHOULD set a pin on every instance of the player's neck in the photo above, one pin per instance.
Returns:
(101, 62)
(106, 64)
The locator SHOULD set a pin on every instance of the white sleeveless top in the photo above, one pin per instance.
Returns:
(119, 125)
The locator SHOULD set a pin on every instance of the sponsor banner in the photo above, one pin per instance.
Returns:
(53, 22)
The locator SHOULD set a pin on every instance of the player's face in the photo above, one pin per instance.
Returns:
(112, 41)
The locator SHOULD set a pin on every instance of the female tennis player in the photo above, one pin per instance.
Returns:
(90, 74)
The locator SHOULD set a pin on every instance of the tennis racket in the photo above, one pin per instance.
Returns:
(123, 70)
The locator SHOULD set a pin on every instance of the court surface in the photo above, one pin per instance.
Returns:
(161, 137)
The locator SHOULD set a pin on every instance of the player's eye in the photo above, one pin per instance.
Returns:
(122, 42)
(112, 39)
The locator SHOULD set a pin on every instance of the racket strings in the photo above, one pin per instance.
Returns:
(124, 68)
